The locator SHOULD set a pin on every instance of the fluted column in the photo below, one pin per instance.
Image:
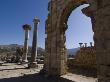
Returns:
(33, 62)
(26, 28)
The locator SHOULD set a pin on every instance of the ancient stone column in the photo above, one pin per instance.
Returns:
(33, 62)
(26, 28)
(85, 45)
(91, 44)
(80, 44)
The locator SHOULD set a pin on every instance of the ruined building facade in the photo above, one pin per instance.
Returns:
(86, 57)
(56, 26)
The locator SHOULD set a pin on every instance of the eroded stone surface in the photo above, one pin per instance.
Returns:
(56, 25)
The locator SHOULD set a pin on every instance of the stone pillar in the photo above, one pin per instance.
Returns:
(91, 44)
(80, 44)
(33, 62)
(26, 28)
(85, 45)
(102, 39)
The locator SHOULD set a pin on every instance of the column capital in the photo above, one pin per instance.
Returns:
(27, 27)
(80, 44)
(36, 20)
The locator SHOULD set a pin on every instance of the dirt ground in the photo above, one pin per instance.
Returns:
(19, 73)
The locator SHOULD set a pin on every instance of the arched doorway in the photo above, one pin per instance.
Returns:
(56, 25)
(81, 58)
(79, 28)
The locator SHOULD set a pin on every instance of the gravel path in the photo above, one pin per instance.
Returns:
(79, 78)
(19, 73)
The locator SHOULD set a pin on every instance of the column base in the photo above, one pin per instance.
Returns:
(33, 65)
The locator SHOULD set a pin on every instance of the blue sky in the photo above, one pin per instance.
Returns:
(79, 29)
(15, 13)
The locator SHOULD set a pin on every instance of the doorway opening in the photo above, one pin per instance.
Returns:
(81, 57)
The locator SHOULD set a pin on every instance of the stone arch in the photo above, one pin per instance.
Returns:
(68, 10)
(62, 24)
(56, 25)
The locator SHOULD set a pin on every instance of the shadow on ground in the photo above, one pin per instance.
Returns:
(35, 78)
(12, 69)
(88, 72)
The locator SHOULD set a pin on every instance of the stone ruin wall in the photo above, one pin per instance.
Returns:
(86, 57)
(84, 62)
(99, 11)
(56, 26)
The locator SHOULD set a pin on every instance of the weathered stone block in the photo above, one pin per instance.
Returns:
(104, 70)
(103, 79)
(105, 2)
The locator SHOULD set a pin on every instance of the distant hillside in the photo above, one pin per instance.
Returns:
(72, 51)
(11, 49)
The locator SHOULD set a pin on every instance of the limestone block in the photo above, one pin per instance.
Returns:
(104, 70)
(105, 2)
(86, 57)
(103, 79)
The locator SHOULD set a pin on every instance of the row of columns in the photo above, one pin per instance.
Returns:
(85, 44)
(26, 28)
